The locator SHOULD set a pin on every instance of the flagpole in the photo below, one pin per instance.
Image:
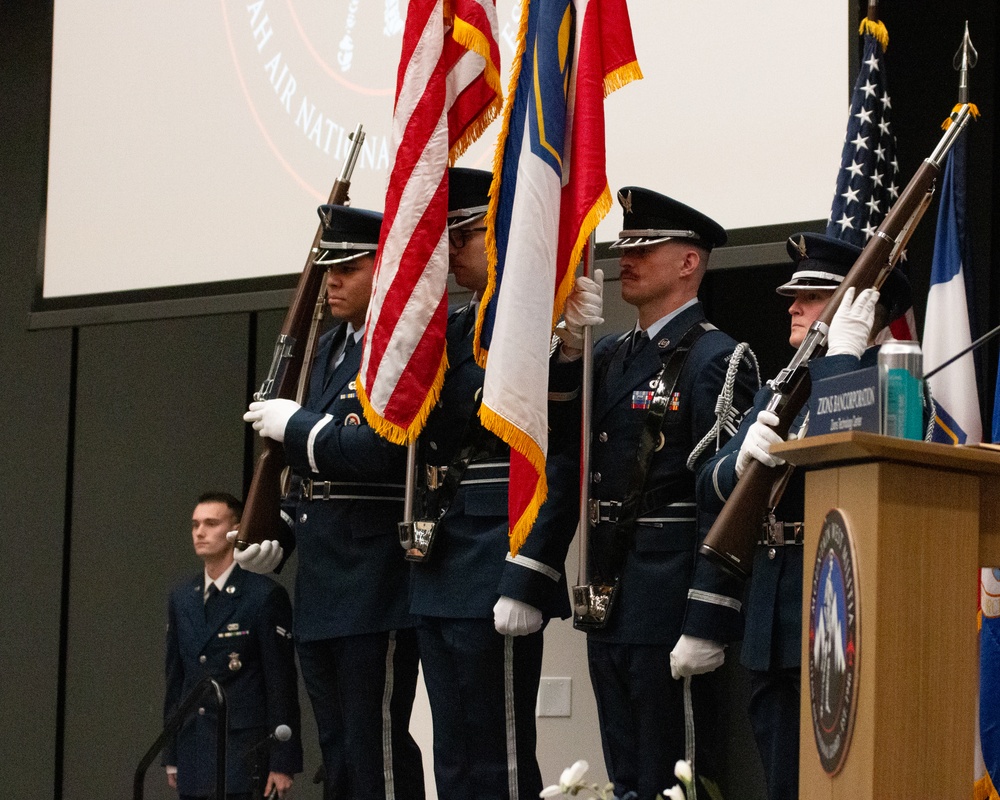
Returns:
(586, 403)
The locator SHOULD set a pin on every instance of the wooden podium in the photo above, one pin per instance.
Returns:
(923, 518)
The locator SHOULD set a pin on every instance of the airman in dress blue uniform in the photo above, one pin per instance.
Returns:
(668, 615)
(772, 638)
(480, 611)
(236, 627)
(354, 635)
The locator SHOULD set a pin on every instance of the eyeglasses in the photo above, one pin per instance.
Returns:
(459, 237)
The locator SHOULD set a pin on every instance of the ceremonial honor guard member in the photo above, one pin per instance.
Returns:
(772, 638)
(355, 639)
(236, 627)
(665, 395)
(480, 611)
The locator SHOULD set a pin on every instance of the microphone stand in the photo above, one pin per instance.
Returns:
(980, 341)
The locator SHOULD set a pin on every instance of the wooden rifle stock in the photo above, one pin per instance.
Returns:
(262, 507)
(731, 540)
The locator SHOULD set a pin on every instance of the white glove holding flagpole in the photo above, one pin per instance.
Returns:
(584, 308)
(757, 444)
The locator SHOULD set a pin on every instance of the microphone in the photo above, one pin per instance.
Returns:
(282, 733)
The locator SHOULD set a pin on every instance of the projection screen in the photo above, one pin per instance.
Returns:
(191, 143)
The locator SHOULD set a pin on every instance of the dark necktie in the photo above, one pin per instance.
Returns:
(634, 347)
(339, 353)
(211, 601)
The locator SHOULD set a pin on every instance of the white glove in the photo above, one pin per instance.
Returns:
(584, 307)
(852, 324)
(513, 618)
(270, 417)
(693, 656)
(260, 558)
(757, 444)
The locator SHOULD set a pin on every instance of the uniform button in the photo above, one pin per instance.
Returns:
(597, 477)
(202, 710)
(771, 553)
(303, 518)
(602, 436)
(433, 445)
(202, 659)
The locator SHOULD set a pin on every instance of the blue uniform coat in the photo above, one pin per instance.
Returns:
(246, 645)
(470, 566)
(352, 577)
(654, 605)
(773, 630)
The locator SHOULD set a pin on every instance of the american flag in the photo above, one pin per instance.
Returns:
(550, 191)
(868, 181)
(447, 92)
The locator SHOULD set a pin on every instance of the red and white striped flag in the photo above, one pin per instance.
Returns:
(447, 93)
(550, 191)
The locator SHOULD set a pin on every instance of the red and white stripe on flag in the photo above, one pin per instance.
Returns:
(447, 93)
(550, 191)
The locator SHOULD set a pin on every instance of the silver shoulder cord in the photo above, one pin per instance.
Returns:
(726, 417)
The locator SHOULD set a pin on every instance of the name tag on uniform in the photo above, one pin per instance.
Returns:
(641, 399)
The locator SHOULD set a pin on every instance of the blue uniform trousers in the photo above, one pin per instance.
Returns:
(482, 688)
(774, 715)
(639, 706)
(351, 712)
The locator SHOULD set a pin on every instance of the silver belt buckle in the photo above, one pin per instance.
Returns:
(774, 531)
(435, 476)
(595, 511)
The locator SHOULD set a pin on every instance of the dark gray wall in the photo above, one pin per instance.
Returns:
(110, 431)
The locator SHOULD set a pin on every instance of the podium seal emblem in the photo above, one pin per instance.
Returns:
(833, 642)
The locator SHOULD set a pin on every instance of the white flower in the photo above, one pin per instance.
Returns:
(571, 781)
(674, 793)
(572, 776)
(682, 769)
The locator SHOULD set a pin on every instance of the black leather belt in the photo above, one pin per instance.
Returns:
(341, 490)
(478, 472)
(775, 533)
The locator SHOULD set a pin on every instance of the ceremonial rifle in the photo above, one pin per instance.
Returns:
(262, 508)
(730, 542)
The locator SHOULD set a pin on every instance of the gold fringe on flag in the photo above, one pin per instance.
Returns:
(622, 76)
(528, 447)
(390, 430)
(877, 29)
(973, 111)
(472, 38)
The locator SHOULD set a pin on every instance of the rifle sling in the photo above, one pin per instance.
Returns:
(624, 529)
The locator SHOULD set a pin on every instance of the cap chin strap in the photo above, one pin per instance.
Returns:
(461, 217)
(327, 262)
(826, 281)
(651, 236)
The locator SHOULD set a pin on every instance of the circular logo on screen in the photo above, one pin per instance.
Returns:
(833, 642)
(310, 71)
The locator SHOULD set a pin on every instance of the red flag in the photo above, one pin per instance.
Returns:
(447, 93)
(550, 191)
